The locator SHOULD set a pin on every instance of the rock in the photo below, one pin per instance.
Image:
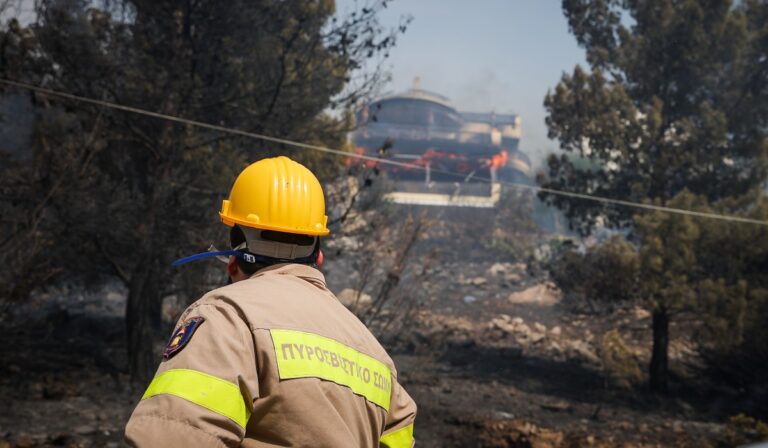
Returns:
(539, 327)
(556, 331)
(641, 313)
(352, 298)
(478, 281)
(555, 347)
(536, 337)
(503, 323)
(523, 330)
(511, 273)
(499, 268)
(583, 350)
(470, 299)
(541, 295)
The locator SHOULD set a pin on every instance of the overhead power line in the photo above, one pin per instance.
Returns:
(336, 152)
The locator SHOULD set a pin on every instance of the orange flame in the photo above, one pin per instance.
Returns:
(499, 160)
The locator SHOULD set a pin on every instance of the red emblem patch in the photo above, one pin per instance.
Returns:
(181, 336)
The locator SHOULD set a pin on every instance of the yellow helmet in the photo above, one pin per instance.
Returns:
(277, 194)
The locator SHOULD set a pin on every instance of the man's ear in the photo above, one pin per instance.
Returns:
(320, 258)
(232, 268)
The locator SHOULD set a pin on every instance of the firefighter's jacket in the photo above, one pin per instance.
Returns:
(273, 361)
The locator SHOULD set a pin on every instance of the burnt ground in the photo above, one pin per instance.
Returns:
(491, 353)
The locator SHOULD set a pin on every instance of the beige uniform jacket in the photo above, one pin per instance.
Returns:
(273, 361)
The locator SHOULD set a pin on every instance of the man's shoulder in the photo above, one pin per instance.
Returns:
(219, 300)
(233, 290)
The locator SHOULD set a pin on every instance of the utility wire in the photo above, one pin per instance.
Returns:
(233, 131)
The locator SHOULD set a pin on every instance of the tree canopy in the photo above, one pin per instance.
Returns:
(676, 97)
(109, 192)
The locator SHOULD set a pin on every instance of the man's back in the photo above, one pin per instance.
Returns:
(306, 372)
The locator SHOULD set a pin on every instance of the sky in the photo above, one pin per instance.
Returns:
(485, 55)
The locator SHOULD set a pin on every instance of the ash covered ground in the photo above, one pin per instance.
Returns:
(484, 342)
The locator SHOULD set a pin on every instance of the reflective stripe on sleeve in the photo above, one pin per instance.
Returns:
(401, 438)
(307, 355)
(215, 394)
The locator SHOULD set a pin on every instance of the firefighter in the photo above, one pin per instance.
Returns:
(273, 359)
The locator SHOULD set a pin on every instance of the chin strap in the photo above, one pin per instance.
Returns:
(220, 253)
(247, 257)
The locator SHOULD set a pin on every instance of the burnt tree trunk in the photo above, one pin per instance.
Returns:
(143, 320)
(658, 372)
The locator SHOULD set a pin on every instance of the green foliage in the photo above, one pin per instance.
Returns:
(606, 272)
(668, 257)
(672, 111)
(676, 99)
(734, 295)
(742, 429)
(619, 363)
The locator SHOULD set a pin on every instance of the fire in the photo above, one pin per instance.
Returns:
(499, 160)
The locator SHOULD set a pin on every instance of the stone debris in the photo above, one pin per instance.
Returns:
(641, 313)
(543, 294)
(473, 281)
(538, 335)
(508, 272)
(499, 268)
(581, 349)
(478, 281)
(518, 432)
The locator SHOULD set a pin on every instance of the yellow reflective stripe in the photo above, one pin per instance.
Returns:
(220, 396)
(307, 355)
(402, 438)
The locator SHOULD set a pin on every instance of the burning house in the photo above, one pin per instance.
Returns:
(450, 158)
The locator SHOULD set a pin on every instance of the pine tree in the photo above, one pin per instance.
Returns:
(675, 98)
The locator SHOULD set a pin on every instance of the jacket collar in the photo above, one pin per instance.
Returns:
(297, 270)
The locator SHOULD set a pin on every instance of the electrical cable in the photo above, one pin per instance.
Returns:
(253, 135)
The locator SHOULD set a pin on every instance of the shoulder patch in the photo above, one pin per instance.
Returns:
(181, 336)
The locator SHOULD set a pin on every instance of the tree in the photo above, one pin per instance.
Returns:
(716, 270)
(676, 98)
(669, 273)
(132, 193)
(711, 269)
